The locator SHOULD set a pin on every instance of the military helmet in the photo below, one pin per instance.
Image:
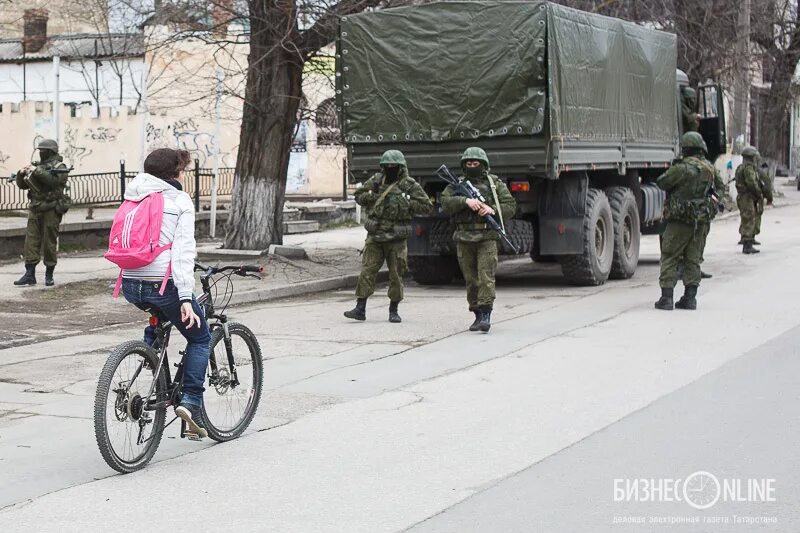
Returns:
(393, 157)
(750, 152)
(692, 139)
(688, 92)
(477, 154)
(47, 144)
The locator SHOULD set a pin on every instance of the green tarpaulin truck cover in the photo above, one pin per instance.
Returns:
(462, 70)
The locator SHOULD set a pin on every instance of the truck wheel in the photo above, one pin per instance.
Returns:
(441, 237)
(433, 270)
(520, 233)
(593, 265)
(627, 232)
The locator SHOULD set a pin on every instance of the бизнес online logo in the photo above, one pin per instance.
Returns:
(700, 490)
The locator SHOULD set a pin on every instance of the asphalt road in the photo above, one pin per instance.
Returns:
(382, 427)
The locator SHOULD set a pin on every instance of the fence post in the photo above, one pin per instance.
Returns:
(197, 185)
(344, 179)
(122, 180)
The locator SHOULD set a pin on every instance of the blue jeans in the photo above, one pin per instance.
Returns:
(144, 295)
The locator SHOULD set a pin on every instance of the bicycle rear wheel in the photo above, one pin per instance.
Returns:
(126, 434)
(228, 408)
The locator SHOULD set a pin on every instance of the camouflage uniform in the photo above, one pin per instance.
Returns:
(766, 191)
(689, 109)
(475, 241)
(748, 195)
(688, 213)
(47, 204)
(388, 226)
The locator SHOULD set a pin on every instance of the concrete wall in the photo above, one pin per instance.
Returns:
(98, 143)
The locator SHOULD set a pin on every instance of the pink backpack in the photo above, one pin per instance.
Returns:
(135, 234)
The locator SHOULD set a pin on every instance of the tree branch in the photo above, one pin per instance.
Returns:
(323, 32)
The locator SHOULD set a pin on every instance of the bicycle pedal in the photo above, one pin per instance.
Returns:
(193, 436)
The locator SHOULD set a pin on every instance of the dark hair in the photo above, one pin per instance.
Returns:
(166, 163)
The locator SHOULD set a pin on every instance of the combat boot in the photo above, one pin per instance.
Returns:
(393, 316)
(48, 276)
(359, 312)
(755, 242)
(705, 275)
(741, 241)
(29, 278)
(486, 318)
(689, 298)
(748, 248)
(665, 302)
(474, 325)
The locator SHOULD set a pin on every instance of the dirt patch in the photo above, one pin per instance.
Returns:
(66, 309)
(62, 310)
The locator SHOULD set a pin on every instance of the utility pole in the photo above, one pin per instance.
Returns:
(57, 99)
(215, 177)
(144, 113)
(741, 103)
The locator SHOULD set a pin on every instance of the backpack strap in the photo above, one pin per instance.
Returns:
(118, 285)
(166, 278)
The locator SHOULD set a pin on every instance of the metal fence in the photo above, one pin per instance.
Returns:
(108, 187)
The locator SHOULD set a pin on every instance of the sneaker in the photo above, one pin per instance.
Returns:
(193, 416)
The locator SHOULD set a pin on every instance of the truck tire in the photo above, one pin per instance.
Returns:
(433, 269)
(520, 233)
(593, 266)
(441, 236)
(627, 232)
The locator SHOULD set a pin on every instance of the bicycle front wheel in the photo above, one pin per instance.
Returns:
(233, 382)
(126, 433)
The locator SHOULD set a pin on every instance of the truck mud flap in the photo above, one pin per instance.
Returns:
(562, 206)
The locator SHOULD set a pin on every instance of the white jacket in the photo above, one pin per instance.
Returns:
(177, 227)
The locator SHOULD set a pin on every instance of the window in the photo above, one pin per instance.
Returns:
(329, 132)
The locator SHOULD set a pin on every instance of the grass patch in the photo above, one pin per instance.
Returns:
(71, 247)
(340, 224)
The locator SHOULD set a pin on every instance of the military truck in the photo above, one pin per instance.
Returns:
(579, 114)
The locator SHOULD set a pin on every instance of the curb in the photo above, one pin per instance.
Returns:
(301, 288)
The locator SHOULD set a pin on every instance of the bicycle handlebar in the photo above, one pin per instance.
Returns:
(240, 270)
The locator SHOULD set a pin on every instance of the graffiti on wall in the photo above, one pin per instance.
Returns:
(3, 159)
(71, 148)
(185, 133)
(103, 135)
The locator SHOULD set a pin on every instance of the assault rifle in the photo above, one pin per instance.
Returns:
(13, 176)
(463, 187)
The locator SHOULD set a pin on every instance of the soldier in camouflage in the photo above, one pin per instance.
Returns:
(45, 183)
(765, 183)
(749, 194)
(391, 197)
(689, 109)
(477, 242)
(716, 204)
(687, 213)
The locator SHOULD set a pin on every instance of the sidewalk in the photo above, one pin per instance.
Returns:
(81, 299)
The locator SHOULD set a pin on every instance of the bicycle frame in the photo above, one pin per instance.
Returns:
(173, 387)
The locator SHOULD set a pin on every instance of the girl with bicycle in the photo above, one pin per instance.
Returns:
(177, 304)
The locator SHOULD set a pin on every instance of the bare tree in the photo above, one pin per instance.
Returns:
(284, 35)
(777, 31)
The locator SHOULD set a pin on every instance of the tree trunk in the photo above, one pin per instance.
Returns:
(771, 138)
(272, 97)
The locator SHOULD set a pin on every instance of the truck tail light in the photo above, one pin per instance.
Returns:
(419, 230)
(520, 186)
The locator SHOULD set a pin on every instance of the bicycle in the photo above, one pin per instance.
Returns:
(135, 387)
